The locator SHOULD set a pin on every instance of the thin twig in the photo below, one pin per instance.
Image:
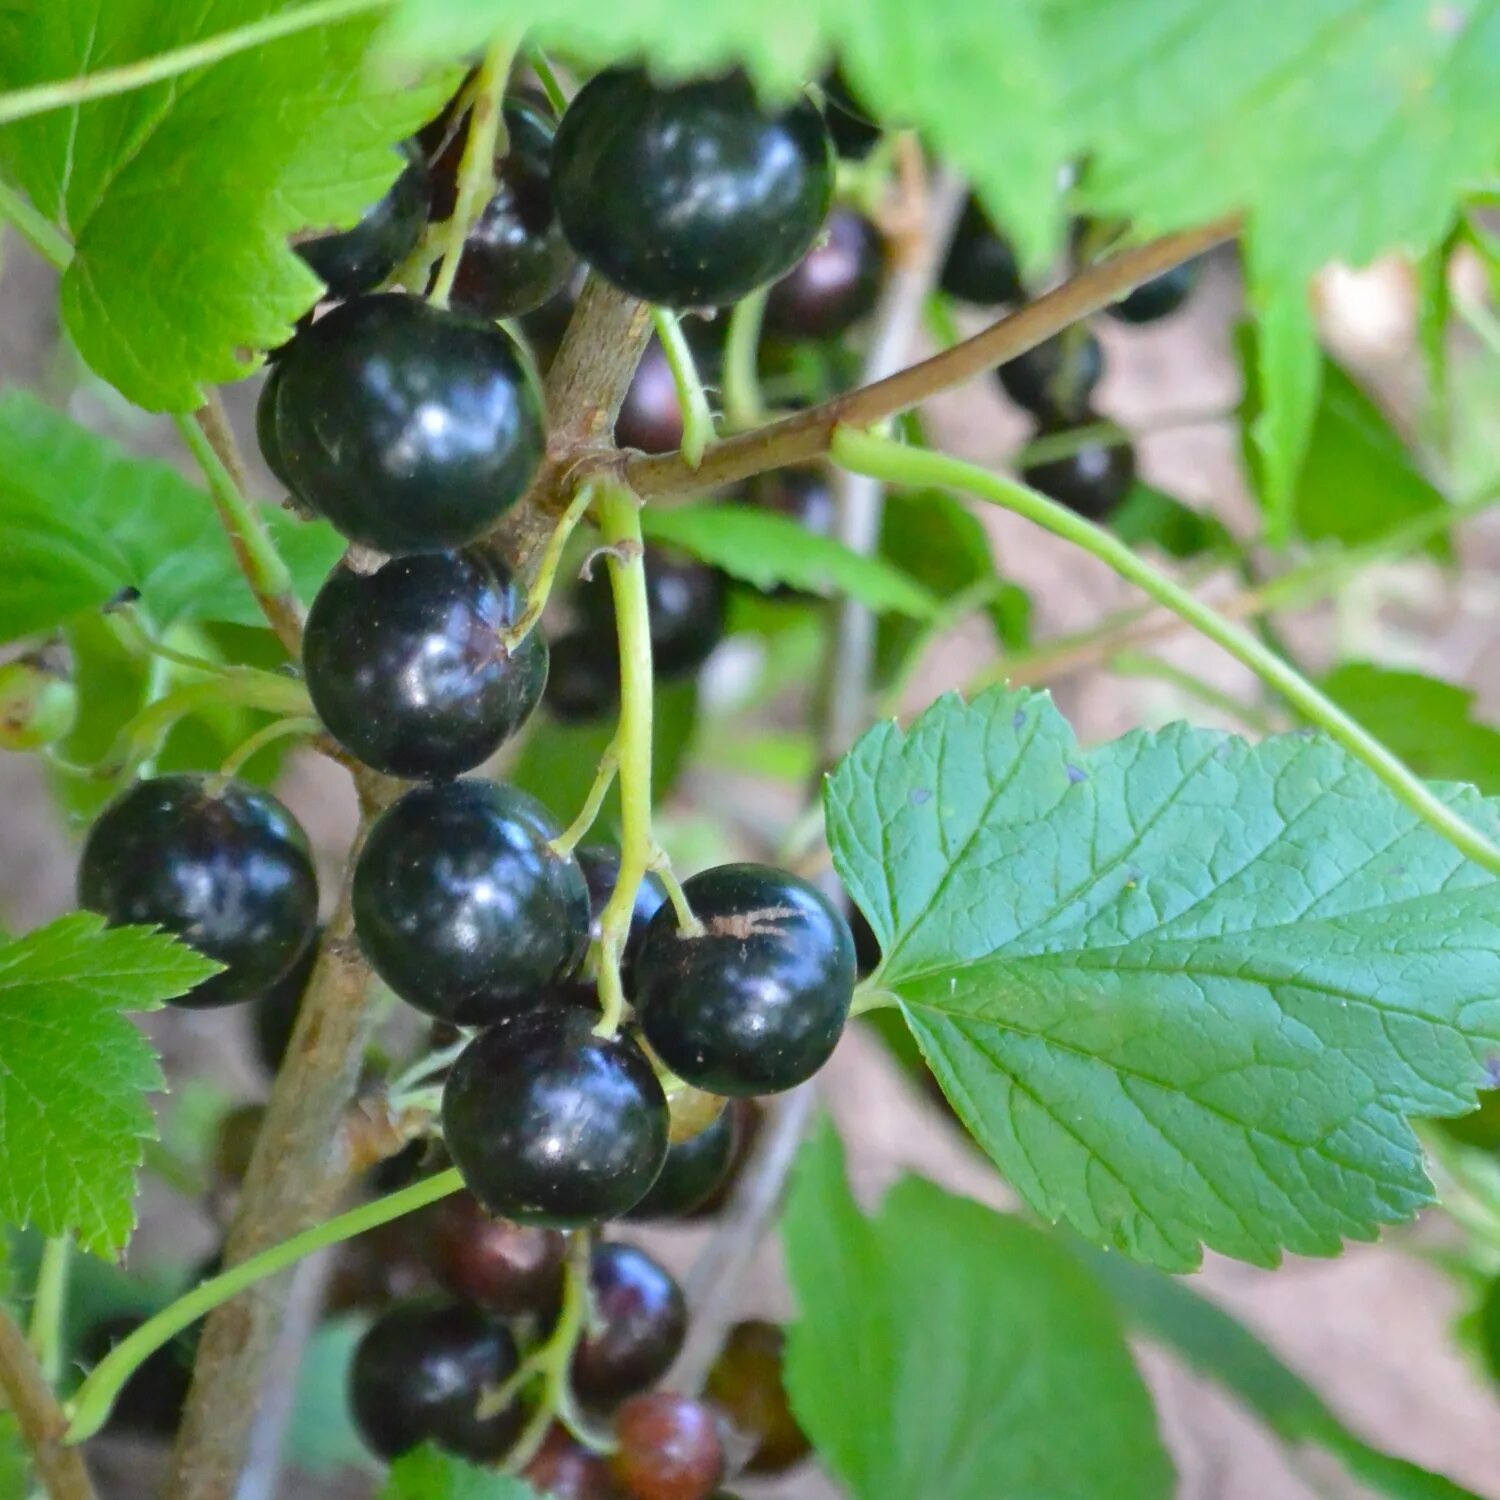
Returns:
(39, 1417)
(714, 1284)
(806, 435)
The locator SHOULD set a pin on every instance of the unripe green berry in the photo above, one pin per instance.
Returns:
(37, 706)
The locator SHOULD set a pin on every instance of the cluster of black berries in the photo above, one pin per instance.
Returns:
(1056, 380)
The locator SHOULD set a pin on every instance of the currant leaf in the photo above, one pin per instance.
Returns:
(1184, 990)
(74, 1072)
(428, 1474)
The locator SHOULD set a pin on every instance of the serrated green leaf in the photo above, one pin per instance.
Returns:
(74, 1073)
(179, 197)
(1430, 724)
(428, 1474)
(1150, 517)
(1184, 990)
(943, 1351)
(80, 519)
(1357, 479)
(767, 550)
(1225, 1351)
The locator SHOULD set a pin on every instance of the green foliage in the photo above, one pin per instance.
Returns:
(766, 549)
(428, 1474)
(1429, 723)
(74, 1073)
(1182, 989)
(1358, 480)
(80, 520)
(15, 1464)
(944, 1352)
(179, 197)
(1150, 517)
(322, 1437)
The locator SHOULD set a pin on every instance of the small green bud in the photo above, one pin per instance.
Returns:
(37, 705)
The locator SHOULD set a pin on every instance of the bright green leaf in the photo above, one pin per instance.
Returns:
(944, 1352)
(766, 549)
(1427, 722)
(1357, 480)
(80, 519)
(428, 1474)
(74, 1073)
(15, 1462)
(1184, 990)
(179, 197)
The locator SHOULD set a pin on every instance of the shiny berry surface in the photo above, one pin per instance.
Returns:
(515, 257)
(411, 428)
(686, 601)
(1092, 480)
(406, 668)
(552, 1125)
(693, 1170)
(834, 285)
(265, 426)
(583, 678)
(756, 1001)
(226, 869)
(639, 1322)
(981, 266)
(745, 1383)
(461, 906)
(600, 864)
(507, 1269)
(1055, 380)
(1158, 298)
(689, 195)
(419, 1374)
(669, 1448)
(357, 260)
(651, 415)
(563, 1469)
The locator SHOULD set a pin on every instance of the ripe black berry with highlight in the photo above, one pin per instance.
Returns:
(550, 1124)
(225, 868)
(755, 1001)
(406, 667)
(834, 285)
(693, 1171)
(981, 266)
(1055, 380)
(460, 904)
(412, 428)
(1092, 480)
(419, 1374)
(638, 1325)
(689, 195)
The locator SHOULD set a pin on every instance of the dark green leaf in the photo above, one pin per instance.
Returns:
(1152, 518)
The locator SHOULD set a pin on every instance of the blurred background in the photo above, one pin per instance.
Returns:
(1372, 1330)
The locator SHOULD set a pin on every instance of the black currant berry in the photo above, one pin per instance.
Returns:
(406, 667)
(689, 195)
(507, 1269)
(460, 904)
(1054, 380)
(357, 260)
(1092, 480)
(153, 1396)
(867, 953)
(668, 1448)
(1157, 298)
(834, 285)
(651, 415)
(746, 1384)
(419, 1375)
(639, 1320)
(224, 868)
(515, 257)
(564, 1469)
(600, 864)
(265, 426)
(981, 267)
(755, 1001)
(552, 1125)
(583, 678)
(687, 602)
(273, 1016)
(412, 428)
(692, 1172)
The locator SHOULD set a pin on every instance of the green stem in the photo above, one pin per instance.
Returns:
(476, 172)
(604, 778)
(889, 461)
(127, 629)
(661, 867)
(33, 227)
(620, 523)
(246, 687)
(267, 734)
(90, 1407)
(546, 75)
(67, 91)
(1141, 664)
(697, 415)
(546, 574)
(744, 406)
(264, 568)
(49, 1301)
